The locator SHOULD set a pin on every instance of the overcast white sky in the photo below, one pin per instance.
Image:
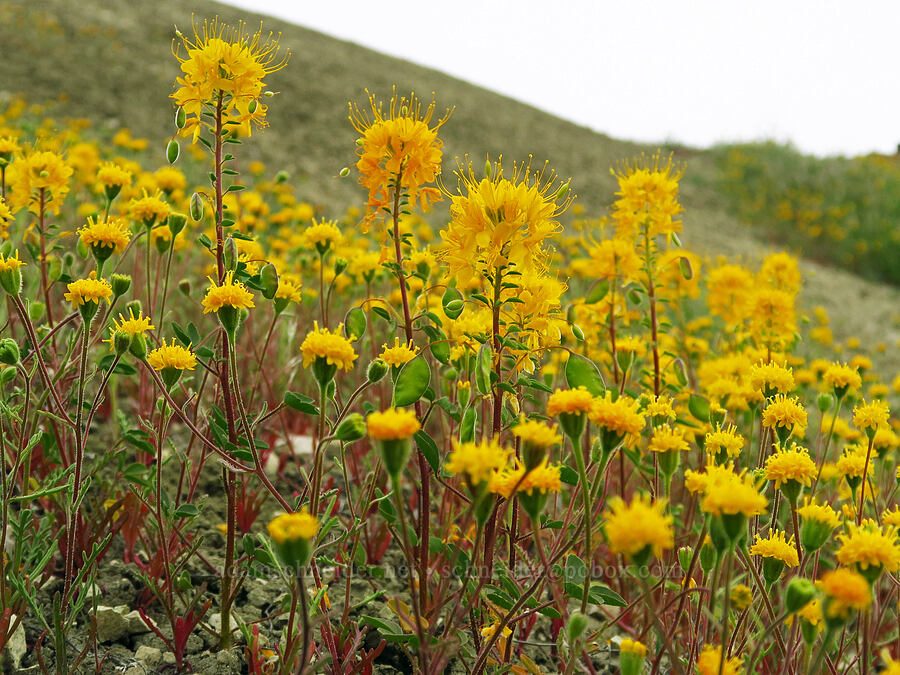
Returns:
(822, 74)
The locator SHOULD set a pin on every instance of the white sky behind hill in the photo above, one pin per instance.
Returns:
(822, 74)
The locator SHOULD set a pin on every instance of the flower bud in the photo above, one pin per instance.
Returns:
(121, 342)
(120, 284)
(377, 369)
(772, 569)
(340, 264)
(180, 118)
(36, 310)
(7, 374)
(185, 287)
(575, 628)
(177, 221)
(798, 594)
(172, 151)
(824, 402)
(9, 351)
(631, 657)
(344, 172)
(685, 553)
(814, 533)
(281, 177)
(351, 429)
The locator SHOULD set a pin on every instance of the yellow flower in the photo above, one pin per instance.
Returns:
(784, 412)
(871, 416)
(35, 173)
(791, 464)
(642, 525)
(741, 597)
(812, 612)
(614, 259)
(478, 461)
(133, 325)
(647, 196)
(776, 546)
(621, 416)
(710, 662)
(629, 646)
(111, 173)
(226, 60)
(168, 179)
(772, 378)
(842, 378)
(88, 290)
(398, 354)
(572, 401)
(667, 439)
(400, 144)
(853, 462)
(392, 424)
(729, 493)
(230, 293)
(726, 440)
(543, 478)
(171, 356)
(891, 517)
(322, 235)
(148, 209)
(11, 263)
(321, 343)
(662, 407)
(819, 512)
(291, 526)
(844, 591)
(113, 233)
(868, 545)
(498, 222)
(537, 433)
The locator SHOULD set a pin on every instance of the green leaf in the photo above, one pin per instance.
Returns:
(429, 449)
(300, 402)
(483, 369)
(412, 382)
(467, 427)
(186, 511)
(568, 475)
(355, 323)
(582, 372)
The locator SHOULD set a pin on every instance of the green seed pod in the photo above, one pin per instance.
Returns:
(377, 369)
(230, 254)
(196, 207)
(344, 172)
(172, 151)
(180, 118)
(281, 177)
(185, 287)
(268, 277)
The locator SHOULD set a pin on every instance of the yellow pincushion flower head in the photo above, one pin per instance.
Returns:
(5, 217)
(227, 300)
(10, 274)
(776, 551)
(502, 223)
(640, 529)
(398, 355)
(86, 294)
(8, 147)
(842, 378)
(171, 360)
(869, 417)
(113, 178)
(791, 469)
(870, 549)
(537, 438)
(477, 462)
(817, 523)
(148, 209)
(784, 414)
(228, 64)
(891, 516)
(322, 235)
(772, 378)
(660, 409)
(400, 144)
(533, 486)
(724, 443)
(168, 179)
(38, 179)
(647, 197)
(327, 351)
(844, 591)
(741, 597)
(105, 237)
(713, 662)
(732, 498)
(852, 464)
(392, 430)
(616, 419)
(631, 656)
(572, 407)
(668, 442)
(133, 327)
(293, 535)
